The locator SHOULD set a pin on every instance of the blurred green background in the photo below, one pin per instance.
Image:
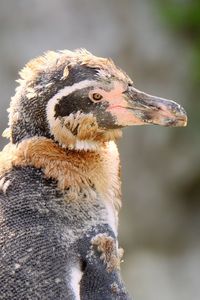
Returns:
(158, 44)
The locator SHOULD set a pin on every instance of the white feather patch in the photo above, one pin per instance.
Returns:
(112, 217)
(76, 276)
(86, 145)
(4, 184)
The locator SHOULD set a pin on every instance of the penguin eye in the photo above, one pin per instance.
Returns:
(97, 96)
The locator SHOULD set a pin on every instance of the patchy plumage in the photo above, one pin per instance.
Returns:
(60, 176)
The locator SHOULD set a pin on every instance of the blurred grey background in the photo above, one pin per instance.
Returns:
(158, 44)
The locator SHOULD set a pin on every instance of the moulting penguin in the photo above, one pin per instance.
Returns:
(59, 176)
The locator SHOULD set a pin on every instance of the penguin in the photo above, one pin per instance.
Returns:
(60, 187)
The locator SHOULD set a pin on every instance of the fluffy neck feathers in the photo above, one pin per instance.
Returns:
(98, 170)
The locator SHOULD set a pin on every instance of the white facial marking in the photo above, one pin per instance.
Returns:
(68, 90)
(55, 125)
(76, 276)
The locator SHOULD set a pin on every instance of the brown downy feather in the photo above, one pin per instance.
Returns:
(53, 59)
(77, 169)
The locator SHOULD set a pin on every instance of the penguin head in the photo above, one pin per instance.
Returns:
(80, 101)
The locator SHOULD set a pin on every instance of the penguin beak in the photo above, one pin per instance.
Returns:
(139, 108)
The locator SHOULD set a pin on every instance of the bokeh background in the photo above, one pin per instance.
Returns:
(158, 44)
